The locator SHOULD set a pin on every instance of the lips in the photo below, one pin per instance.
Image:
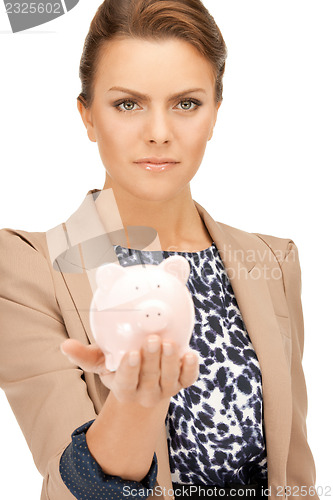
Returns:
(156, 161)
(161, 165)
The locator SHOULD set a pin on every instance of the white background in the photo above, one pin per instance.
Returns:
(270, 158)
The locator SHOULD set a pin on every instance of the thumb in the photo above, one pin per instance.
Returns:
(89, 357)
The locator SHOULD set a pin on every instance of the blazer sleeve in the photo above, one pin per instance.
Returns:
(299, 450)
(46, 392)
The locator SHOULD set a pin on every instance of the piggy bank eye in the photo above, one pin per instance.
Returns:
(158, 286)
(136, 288)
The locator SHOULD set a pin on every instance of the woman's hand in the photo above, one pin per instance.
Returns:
(157, 375)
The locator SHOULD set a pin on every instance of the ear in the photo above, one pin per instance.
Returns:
(214, 121)
(178, 266)
(107, 274)
(86, 116)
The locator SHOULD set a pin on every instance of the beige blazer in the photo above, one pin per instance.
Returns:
(41, 306)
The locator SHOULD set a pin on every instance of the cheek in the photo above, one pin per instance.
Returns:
(111, 131)
(196, 134)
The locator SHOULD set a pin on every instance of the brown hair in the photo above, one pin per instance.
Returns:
(187, 20)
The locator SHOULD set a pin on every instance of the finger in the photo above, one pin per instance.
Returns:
(189, 369)
(149, 377)
(89, 357)
(170, 367)
(127, 374)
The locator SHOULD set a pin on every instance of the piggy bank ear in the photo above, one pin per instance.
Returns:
(178, 266)
(107, 274)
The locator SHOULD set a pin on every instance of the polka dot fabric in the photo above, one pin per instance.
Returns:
(86, 480)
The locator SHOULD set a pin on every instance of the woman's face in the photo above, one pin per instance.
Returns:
(128, 126)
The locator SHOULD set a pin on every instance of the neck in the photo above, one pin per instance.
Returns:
(176, 220)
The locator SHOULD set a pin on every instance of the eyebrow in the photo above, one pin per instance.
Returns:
(145, 97)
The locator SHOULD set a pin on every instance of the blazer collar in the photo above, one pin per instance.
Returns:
(82, 243)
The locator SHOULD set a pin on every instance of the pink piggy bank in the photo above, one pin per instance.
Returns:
(133, 302)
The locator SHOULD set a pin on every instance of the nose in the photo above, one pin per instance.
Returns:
(154, 316)
(158, 128)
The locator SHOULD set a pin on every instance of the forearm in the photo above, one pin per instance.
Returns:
(123, 437)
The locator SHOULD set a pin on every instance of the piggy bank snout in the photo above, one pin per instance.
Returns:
(154, 315)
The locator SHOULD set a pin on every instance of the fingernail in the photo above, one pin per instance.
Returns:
(133, 358)
(167, 349)
(153, 344)
(190, 359)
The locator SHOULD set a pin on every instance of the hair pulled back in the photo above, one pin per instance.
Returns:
(187, 20)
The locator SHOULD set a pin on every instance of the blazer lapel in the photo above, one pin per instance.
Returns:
(255, 304)
(251, 291)
(83, 243)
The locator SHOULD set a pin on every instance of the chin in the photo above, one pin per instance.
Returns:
(150, 193)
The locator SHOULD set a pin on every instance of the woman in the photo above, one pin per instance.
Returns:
(230, 415)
